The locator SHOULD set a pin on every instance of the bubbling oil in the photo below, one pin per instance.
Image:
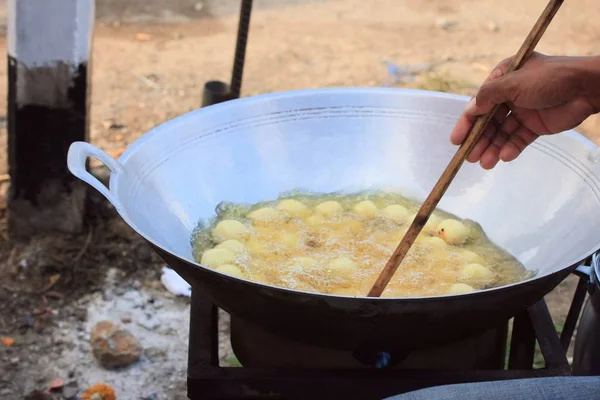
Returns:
(339, 244)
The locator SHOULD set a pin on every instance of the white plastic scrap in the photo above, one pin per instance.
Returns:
(174, 283)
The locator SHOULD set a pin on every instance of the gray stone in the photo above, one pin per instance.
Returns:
(70, 392)
(155, 353)
(114, 347)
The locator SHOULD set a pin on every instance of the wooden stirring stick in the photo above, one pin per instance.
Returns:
(459, 158)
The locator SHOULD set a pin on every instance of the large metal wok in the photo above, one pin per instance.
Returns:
(544, 208)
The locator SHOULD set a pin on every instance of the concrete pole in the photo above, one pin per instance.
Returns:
(49, 43)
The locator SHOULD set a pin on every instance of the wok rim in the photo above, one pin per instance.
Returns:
(240, 102)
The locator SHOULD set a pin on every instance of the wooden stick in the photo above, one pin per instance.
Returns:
(448, 175)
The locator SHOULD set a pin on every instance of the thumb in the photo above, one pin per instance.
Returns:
(480, 103)
(497, 91)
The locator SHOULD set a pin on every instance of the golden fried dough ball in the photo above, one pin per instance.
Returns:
(397, 213)
(365, 209)
(329, 208)
(230, 229)
(476, 274)
(293, 207)
(233, 245)
(460, 288)
(453, 232)
(231, 269)
(216, 257)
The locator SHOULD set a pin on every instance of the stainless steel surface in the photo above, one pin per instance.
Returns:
(543, 208)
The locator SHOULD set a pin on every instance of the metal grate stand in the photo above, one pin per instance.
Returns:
(207, 380)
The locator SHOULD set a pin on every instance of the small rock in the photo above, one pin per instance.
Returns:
(199, 6)
(492, 26)
(114, 347)
(126, 318)
(167, 331)
(134, 297)
(444, 23)
(80, 314)
(136, 284)
(158, 304)
(149, 324)
(151, 396)
(70, 392)
(5, 391)
(155, 353)
(28, 321)
(110, 124)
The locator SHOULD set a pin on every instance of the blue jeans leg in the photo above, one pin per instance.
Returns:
(554, 388)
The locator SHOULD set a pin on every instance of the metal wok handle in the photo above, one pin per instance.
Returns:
(76, 162)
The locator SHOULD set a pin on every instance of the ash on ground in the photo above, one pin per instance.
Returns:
(55, 289)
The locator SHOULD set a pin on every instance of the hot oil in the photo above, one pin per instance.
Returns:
(341, 250)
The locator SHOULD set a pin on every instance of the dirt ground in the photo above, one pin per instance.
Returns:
(151, 68)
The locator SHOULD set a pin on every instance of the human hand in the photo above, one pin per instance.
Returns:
(548, 95)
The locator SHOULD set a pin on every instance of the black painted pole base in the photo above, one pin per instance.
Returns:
(215, 92)
(47, 111)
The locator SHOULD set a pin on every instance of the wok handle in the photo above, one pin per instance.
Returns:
(77, 157)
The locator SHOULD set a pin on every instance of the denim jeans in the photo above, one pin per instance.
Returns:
(555, 388)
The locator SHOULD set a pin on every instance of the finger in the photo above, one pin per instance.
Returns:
(472, 110)
(461, 129)
(517, 143)
(510, 124)
(488, 155)
(498, 91)
(475, 107)
(498, 70)
(466, 121)
(501, 114)
(491, 155)
(482, 143)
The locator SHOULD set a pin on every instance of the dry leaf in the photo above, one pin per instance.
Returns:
(142, 36)
(99, 391)
(7, 341)
(57, 384)
(53, 279)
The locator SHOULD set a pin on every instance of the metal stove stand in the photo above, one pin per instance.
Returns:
(207, 380)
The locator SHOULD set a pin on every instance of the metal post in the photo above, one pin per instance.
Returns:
(216, 91)
(49, 44)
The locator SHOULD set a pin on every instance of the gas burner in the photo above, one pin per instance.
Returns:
(256, 348)
(278, 368)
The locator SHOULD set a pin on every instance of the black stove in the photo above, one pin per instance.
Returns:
(276, 368)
